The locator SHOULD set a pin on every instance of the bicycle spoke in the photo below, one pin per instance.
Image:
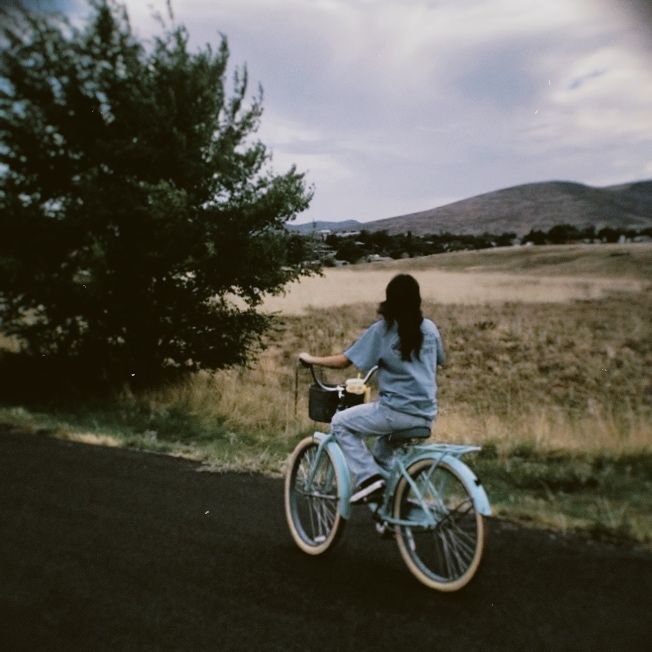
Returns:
(324, 519)
(463, 541)
(434, 492)
(457, 562)
(313, 500)
(311, 514)
(447, 557)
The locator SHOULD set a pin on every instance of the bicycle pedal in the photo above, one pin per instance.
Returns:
(384, 530)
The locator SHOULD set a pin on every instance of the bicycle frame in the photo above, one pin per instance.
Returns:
(451, 453)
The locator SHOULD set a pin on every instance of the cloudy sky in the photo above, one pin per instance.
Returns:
(395, 106)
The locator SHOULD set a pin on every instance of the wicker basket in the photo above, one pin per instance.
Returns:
(322, 404)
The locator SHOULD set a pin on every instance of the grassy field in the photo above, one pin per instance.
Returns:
(556, 386)
(631, 260)
(517, 274)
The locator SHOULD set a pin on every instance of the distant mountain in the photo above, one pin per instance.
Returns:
(522, 208)
(346, 225)
(532, 206)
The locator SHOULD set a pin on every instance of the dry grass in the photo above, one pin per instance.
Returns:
(630, 260)
(93, 439)
(517, 274)
(567, 367)
(550, 430)
(574, 377)
(343, 286)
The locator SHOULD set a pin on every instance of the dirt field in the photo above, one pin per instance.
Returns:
(343, 286)
(512, 275)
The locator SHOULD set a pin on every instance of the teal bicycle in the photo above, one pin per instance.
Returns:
(433, 504)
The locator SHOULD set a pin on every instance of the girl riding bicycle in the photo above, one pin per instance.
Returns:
(407, 349)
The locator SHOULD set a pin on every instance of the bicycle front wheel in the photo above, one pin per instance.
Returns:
(311, 499)
(443, 543)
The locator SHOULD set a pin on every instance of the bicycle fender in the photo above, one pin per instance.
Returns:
(469, 478)
(341, 471)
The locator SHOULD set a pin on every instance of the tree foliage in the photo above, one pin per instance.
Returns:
(140, 221)
(353, 248)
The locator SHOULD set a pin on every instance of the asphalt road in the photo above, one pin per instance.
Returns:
(110, 549)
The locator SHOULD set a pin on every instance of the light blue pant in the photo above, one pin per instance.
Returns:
(370, 420)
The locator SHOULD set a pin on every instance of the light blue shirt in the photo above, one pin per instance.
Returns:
(408, 386)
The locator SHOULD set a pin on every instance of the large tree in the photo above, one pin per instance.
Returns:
(140, 221)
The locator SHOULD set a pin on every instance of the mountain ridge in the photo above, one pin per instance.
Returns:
(520, 209)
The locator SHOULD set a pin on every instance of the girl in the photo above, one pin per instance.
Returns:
(407, 349)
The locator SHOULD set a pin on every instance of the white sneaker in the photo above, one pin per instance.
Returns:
(371, 487)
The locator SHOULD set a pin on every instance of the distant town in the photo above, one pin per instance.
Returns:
(338, 248)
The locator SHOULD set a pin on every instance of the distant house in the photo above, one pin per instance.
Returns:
(324, 252)
(376, 258)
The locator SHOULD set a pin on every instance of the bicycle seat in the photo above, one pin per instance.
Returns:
(421, 432)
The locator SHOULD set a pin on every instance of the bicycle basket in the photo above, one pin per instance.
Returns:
(321, 404)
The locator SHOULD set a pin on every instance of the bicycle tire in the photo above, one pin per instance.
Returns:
(312, 512)
(446, 556)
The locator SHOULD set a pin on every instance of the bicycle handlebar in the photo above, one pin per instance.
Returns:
(334, 388)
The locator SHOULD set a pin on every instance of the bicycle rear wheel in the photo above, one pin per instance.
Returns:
(311, 505)
(444, 555)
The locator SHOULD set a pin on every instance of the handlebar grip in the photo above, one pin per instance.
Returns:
(309, 365)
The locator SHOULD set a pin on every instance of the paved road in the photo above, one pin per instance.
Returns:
(108, 549)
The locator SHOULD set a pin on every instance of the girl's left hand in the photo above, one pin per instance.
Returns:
(306, 358)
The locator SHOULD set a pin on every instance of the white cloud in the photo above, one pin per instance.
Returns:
(608, 79)
(326, 168)
(599, 100)
(278, 131)
(410, 103)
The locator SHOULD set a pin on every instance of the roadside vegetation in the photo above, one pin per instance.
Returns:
(559, 395)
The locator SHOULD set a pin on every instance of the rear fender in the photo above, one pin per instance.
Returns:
(467, 476)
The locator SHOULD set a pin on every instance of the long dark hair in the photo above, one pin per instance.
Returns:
(403, 306)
